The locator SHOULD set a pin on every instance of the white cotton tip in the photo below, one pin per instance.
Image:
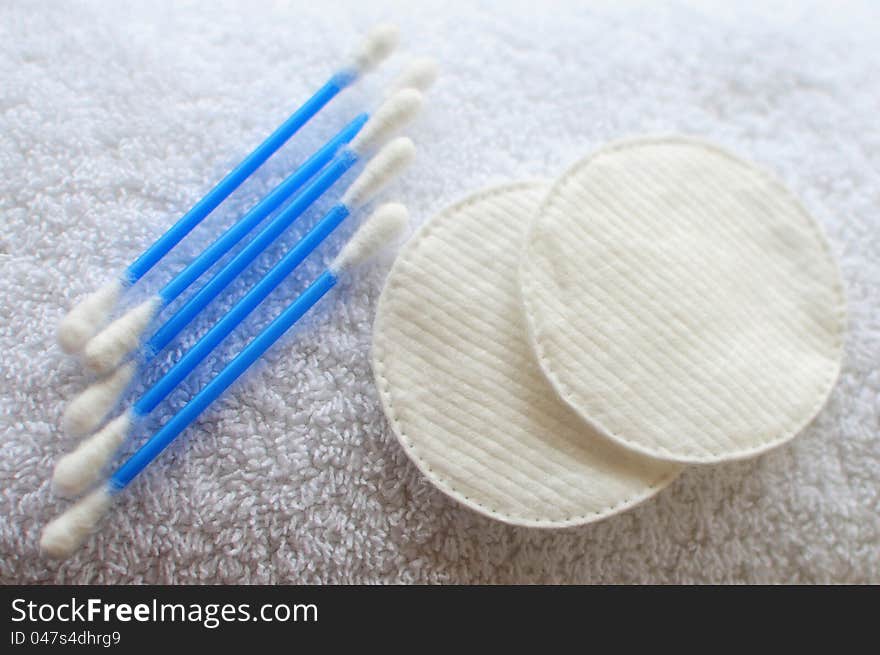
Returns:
(379, 171)
(86, 412)
(420, 73)
(78, 470)
(87, 316)
(375, 48)
(384, 225)
(65, 533)
(106, 350)
(394, 113)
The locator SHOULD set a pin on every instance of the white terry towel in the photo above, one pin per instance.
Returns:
(114, 119)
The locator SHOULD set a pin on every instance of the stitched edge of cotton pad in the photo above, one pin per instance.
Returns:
(379, 347)
(839, 311)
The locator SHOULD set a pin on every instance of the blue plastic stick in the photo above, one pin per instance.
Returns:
(235, 233)
(251, 353)
(233, 179)
(155, 394)
(222, 278)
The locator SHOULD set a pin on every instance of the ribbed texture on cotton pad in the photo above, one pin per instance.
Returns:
(462, 389)
(682, 301)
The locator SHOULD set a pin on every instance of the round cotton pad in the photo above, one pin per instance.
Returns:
(682, 302)
(462, 389)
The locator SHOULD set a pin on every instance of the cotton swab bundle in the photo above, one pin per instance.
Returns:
(86, 317)
(78, 469)
(87, 411)
(104, 352)
(101, 353)
(63, 535)
(109, 347)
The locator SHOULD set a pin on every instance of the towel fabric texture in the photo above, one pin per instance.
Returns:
(116, 117)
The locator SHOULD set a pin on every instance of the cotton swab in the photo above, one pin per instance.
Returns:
(79, 468)
(81, 415)
(64, 534)
(421, 73)
(109, 347)
(89, 314)
(86, 412)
